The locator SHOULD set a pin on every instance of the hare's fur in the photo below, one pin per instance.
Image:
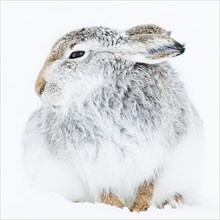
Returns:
(110, 122)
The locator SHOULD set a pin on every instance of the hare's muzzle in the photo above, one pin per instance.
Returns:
(40, 82)
(40, 86)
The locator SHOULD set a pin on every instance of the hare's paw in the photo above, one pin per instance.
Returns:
(111, 199)
(176, 201)
(143, 198)
(139, 207)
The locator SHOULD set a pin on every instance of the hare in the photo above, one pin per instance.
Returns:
(116, 125)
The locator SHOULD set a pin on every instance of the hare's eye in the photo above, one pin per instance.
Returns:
(76, 54)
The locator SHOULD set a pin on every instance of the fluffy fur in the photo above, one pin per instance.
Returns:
(111, 119)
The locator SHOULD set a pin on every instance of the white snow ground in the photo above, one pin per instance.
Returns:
(35, 205)
(28, 29)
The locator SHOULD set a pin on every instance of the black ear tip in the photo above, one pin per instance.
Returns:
(180, 48)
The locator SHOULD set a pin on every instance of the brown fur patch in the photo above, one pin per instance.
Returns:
(111, 199)
(163, 54)
(40, 82)
(146, 29)
(143, 198)
(178, 198)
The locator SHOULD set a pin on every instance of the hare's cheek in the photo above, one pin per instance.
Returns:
(53, 95)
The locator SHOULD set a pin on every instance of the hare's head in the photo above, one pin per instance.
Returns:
(83, 60)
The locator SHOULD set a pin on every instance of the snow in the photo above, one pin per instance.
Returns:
(28, 31)
(38, 205)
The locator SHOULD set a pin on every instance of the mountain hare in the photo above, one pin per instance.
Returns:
(116, 125)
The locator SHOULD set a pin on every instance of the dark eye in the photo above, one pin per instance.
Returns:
(76, 54)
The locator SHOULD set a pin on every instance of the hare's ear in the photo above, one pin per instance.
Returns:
(153, 48)
(147, 29)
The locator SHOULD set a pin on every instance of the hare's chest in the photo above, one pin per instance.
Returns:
(104, 152)
(118, 167)
(77, 134)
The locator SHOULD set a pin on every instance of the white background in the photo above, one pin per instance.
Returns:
(28, 30)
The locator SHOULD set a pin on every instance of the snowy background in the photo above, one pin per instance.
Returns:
(28, 30)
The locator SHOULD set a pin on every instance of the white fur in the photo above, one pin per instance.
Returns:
(82, 178)
(143, 59)
(182, 172)
(59, 93)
